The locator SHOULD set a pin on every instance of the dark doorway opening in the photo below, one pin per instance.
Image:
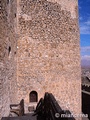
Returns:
(33, 96)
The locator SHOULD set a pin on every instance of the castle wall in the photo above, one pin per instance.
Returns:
(7, 55)
(48, 51)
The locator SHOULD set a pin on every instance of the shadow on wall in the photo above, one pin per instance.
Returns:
(86, 104)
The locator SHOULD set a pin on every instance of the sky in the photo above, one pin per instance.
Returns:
(84, 22)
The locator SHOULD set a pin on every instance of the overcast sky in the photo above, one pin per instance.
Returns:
(84, 18)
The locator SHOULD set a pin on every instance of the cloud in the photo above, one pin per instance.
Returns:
(80, 7)
(80, 18)
(85, 49)
(88, 22)
(85, 52)
(85, 60)
(86, 57)
(84, 26)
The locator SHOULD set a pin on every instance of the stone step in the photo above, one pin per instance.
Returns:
(26, 117)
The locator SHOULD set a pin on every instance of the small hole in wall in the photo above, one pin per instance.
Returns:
(15, 53)
(28, 54)
(9, 50)
(0, 6)
(8, 1)
(15, 15)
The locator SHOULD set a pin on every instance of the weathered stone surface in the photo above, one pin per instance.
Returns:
(7, 56)
(48, 56)
(48, 51)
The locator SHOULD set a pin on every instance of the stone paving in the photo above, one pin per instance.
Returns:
(26, 117)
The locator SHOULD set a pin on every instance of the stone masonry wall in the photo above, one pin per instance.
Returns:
(48, 58)
(39, 50)
(7, 55)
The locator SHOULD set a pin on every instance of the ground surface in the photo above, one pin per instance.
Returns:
(26, 117)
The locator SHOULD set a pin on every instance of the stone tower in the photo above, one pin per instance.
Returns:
(45, 36)
(8, 43)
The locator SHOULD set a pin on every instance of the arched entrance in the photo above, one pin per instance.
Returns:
(33, 96)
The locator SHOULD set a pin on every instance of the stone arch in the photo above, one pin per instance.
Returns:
(33, 96)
